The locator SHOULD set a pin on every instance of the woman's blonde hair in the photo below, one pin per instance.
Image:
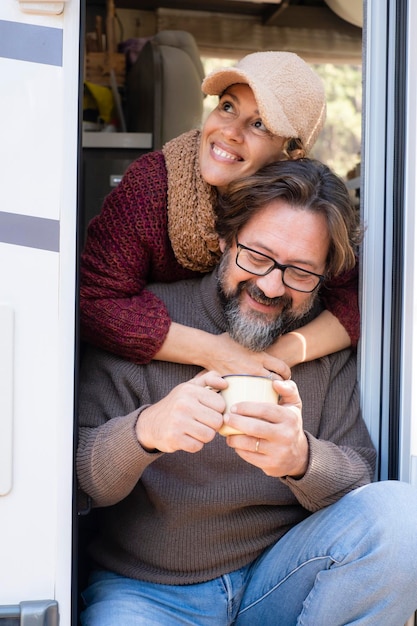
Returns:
(293, 149)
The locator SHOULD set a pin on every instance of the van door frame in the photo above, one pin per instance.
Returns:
(388, 202)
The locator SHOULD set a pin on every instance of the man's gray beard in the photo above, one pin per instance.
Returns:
(256, 331)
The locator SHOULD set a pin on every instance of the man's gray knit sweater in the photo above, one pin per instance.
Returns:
(185, 518)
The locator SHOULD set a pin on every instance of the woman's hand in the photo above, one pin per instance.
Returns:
(217, 352)
(274, 438)
(186, 419)
(226, 356)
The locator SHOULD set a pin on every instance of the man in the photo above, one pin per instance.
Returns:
(271, 526)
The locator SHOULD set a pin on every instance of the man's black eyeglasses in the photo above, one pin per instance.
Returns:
(260, 264)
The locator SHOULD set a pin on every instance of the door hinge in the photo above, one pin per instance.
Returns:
(43, 7)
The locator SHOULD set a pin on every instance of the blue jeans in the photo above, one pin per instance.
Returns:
(354, 562)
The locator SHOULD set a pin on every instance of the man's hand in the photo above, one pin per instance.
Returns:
(186, 419)
(274, 439)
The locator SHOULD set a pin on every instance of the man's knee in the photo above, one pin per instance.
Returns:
(390, 508)
(387, 496)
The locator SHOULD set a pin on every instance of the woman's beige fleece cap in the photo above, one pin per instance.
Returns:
(289, 94)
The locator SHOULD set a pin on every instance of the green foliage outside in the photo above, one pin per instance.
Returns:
(339, 143)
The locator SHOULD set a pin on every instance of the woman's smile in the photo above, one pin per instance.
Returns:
(220, 152)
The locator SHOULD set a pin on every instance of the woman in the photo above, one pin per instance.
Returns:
(158, 224)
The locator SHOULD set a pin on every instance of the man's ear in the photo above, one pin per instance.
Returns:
(222, 245)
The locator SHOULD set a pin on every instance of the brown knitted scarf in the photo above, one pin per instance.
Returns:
(191, 201)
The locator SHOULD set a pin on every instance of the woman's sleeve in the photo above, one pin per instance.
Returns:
(127, 246)
(340, 297)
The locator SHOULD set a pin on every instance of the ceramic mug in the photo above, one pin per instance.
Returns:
(246, 388)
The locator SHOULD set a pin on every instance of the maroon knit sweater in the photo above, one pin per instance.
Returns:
(128, 247)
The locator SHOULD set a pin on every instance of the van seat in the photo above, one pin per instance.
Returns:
(163, 87)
